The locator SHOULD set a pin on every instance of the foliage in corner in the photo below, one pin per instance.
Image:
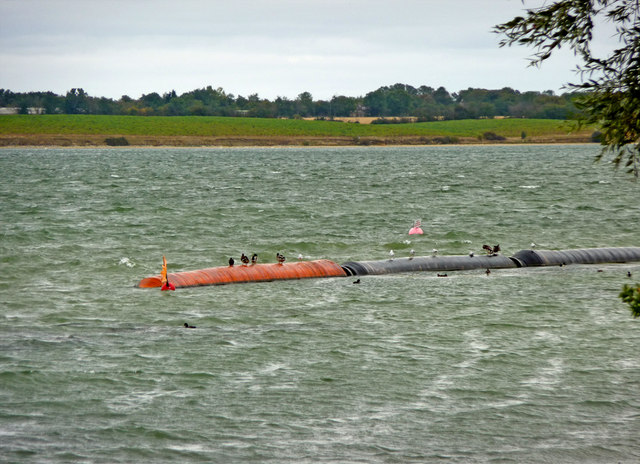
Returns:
(611, 84)
(631, 296)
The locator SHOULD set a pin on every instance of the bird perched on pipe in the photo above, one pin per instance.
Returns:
(493, 251)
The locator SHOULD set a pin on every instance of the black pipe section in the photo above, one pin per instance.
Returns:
(428, 263)
(523, 258)
(579, 256)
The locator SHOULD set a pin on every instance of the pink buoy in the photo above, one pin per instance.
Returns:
(416, 228)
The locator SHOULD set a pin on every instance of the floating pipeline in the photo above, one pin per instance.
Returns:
(523, 258)
(526, 258)
(251, 273)
(427, 263)
(326, 268)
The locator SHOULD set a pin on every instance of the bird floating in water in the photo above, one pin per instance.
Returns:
(231, 262)
(412, 253)
(488, 271)
(280, 258)
(244, 259)
(254, 259)
(189, 326)
(628, 273)
(391, 255)
(356, 281)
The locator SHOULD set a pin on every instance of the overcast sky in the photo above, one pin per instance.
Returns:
(273, 48)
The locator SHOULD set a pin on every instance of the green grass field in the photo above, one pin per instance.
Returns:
(254, 127)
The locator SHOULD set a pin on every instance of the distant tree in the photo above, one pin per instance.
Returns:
(612, 84)
(343, 106)
(551, 111)
(428, 112)
(197, 108)
(152, 99)
(175, 107)
(399, 102)
(304, 104)
(102, 106)
(6, 96)
(322, 108)
(460, 112)
(169, 96)
(376, 102)
(425, 90)
(442, 96)
(285, 108)
(253, 101)
(49, 105)
(263, 109)
(75, 102)
(241, 102)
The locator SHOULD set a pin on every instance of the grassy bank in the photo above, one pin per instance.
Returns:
(200, 130)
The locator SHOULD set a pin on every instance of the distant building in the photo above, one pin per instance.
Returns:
(360, 112)
(16, 110)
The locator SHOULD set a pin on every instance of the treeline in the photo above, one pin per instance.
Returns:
(400, 100)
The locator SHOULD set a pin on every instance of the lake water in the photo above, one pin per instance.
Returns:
(520, 366)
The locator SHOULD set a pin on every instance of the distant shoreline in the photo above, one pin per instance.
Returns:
(203, 131)
(100, 141)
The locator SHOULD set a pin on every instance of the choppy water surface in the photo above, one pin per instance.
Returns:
(521, 366)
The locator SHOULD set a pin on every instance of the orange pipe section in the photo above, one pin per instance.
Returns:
(251, 273)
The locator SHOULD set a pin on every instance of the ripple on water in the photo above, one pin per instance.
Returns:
(523, 365)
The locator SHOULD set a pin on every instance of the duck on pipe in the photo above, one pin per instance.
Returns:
(247, 273)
